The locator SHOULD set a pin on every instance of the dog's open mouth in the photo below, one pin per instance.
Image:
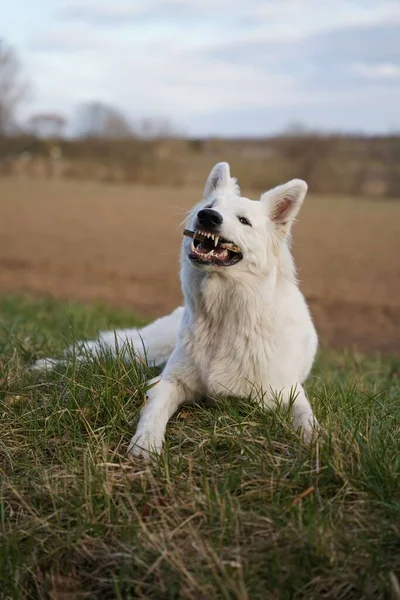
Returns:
(211, 249)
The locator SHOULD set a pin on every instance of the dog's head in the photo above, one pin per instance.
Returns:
(234, 234)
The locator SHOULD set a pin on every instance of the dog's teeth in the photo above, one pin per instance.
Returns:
(216, 238)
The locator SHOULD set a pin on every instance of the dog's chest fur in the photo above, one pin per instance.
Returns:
(231, 336)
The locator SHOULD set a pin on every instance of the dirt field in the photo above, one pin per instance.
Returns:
(119, 244)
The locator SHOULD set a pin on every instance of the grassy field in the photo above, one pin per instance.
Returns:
(236, 508)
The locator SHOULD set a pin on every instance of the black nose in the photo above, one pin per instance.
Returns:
(209, 217)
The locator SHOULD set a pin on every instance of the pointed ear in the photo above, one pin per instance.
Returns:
(284, 202)
(220, 175)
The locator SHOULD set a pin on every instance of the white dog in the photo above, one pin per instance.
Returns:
(245, 329)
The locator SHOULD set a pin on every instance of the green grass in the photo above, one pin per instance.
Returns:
(237, 506)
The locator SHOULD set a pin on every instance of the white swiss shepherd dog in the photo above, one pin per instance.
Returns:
(244, 330)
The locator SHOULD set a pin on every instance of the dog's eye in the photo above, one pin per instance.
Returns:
(244, 221)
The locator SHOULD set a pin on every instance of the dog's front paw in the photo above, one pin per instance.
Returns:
(146, 443)
(307, 426)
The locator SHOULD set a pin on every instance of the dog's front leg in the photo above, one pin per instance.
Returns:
(302, 414)
(162, 401)
(303, 417)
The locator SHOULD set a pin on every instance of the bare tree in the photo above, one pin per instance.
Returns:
(47, 125)
(156, 127)
(98, 120)
(12, 87)
(297, 129)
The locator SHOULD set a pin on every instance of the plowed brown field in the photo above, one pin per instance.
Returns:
(120, 244)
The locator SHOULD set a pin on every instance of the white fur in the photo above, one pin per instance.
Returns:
(245, 330)
(153, 343)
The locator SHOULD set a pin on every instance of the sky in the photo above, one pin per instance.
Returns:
(215, 67)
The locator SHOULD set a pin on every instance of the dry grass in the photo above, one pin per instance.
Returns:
(237, 507)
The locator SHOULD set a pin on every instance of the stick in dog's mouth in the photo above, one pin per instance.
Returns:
(209, 248)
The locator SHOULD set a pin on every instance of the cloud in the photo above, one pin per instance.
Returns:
(271, 17)
(68, 38)
(335, 61)
(382, 71)
(101, 11)
(92, 10)
(229, 65)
